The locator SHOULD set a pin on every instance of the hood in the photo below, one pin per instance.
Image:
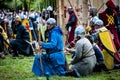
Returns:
(57, 29)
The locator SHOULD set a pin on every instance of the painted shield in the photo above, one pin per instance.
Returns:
(106, 40)
(25, 22)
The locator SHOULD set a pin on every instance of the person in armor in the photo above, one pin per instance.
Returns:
(118, 21)
(51, 61)
(84, 60)
(20, 44)
(109, 17)
(94, 39)
(70, 26)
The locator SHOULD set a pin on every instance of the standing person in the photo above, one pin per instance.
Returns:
(94, 17)
(109, 18)
(71, 25)
(50, 12)
(84, 59)
(107, 61)
(118, 21)
(33, 25)
(21, 43)
(53, 62)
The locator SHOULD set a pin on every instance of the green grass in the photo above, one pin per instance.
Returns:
(20, 69)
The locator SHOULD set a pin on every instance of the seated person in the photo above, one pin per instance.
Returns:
(84, 59)
(99, 56)
(94, 40)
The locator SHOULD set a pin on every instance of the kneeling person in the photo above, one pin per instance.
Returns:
(84, 59)
(21, 43)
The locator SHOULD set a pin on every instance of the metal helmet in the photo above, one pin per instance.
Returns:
(98, 22)
(49, 8)
(80, 31)
(70, 9)
(51, 21)
(94, 19)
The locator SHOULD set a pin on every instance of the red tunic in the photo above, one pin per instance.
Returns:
(73, 26)
(109, 22)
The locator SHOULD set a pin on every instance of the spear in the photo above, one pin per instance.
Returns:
(100, 7)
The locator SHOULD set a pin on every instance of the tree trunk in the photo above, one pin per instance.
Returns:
(85, 12)
(25, 6)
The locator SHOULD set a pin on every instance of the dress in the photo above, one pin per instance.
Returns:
(53, 62)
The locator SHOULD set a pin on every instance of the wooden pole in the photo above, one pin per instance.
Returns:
(85, 12)
(100, 7)
(60, 12)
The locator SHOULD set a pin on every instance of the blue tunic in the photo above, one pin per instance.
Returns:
(53, 63)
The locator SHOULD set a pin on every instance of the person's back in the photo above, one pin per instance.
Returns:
(87, 63)
(22, 33)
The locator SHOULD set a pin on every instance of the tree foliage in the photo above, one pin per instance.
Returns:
(4, 3)
(26, 4)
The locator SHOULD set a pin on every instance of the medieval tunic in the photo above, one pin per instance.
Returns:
(20, 44)
(53, 62)
(72, 22)
(110, 23)
(84, 60)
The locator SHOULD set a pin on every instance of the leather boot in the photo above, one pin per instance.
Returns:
(73, 73)
(2, 55)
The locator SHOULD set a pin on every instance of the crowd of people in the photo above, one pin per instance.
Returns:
(106, 20)
(19, 31)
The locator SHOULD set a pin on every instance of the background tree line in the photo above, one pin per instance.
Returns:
(26, 4)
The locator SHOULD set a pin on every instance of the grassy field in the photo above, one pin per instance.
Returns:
(20, 69)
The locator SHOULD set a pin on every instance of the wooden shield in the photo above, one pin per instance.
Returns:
(106, 40)
(25, 22)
